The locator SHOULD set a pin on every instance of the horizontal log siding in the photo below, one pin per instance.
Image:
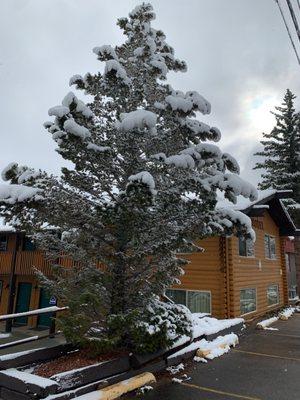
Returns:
(205, 272)
(258, 271)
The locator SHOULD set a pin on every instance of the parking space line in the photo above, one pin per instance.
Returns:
(282, 334)
(265, 355)
(206, 389)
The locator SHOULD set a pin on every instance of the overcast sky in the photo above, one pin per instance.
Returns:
(238, 54)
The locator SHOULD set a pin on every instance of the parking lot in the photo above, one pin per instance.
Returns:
(265, 366)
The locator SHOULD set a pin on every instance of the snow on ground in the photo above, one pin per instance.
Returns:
(212, 349)
(209, 325)
(4, 335)
(266, 323)
(283, 315)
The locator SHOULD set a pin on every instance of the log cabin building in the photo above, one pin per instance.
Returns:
(233, 277)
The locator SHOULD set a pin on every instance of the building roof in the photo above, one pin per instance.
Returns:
(274, 205)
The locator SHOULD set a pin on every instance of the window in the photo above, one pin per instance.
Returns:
(246, 247)
(1, 288)
(28, 245)
(270, 248)
(273, 295)
(195, 300)
(247, 301)
(3, 242)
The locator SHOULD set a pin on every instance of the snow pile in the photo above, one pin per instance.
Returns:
(181, 161)
(58, 111)
(209, 326)
(138, 119)
(217, 347)
(200, 359)
(266, 323)
(11, 194)
(287, 313)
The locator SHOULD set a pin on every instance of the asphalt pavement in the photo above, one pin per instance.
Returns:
(264, 366)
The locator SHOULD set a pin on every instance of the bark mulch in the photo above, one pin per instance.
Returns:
(73, 360)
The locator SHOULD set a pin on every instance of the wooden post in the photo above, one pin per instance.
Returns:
(12, 285)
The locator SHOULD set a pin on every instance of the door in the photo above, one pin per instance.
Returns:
(44, 320)
(23, 301)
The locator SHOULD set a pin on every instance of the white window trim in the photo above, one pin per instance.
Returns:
(275, 304)
(198, 291)
(274, 237)
(250, 312)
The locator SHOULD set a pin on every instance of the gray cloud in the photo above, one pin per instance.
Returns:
(237, 51)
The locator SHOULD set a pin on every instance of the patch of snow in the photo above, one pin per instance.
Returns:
(29, 378)
(266, 323)
(13, 193)
(58, 111)
(105, 50)
(175, 369)
(12, 356)
(200, 359)
(33, 312)
(114, 65)
(75, 129)
(146, 178)
(287, 313)
(210, 326)
(138, 119)
(96, 148)
(5, 335)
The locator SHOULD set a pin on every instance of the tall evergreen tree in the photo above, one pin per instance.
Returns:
(144, 182)
(282, 153)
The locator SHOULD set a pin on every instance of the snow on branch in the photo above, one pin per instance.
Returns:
(105, 52)
(11, 194)
(75, 129)
(191, 101)
(229, 215)
(146, 178)
(138, 119)
(96, 148)
(119, 71)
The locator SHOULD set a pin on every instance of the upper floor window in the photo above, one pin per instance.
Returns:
(3, 242)
(196, 300)
(246, 247)
(28, 245)
(270, 247)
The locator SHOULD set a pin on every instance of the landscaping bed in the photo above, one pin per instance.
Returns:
(64, 373)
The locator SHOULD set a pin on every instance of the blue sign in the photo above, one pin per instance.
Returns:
(53, 301)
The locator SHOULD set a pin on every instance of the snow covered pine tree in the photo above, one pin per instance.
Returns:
(282, 154)
(144, 184)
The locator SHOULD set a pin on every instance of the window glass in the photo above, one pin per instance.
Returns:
(247, 300)
(28, 245)
(270, 247)
(198, 302)
(273, 295)
(242, 246)
(178, 296)
(3, 242)
(246, 247)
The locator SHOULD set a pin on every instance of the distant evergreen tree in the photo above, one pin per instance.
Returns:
(143, 185)
(282, 153)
